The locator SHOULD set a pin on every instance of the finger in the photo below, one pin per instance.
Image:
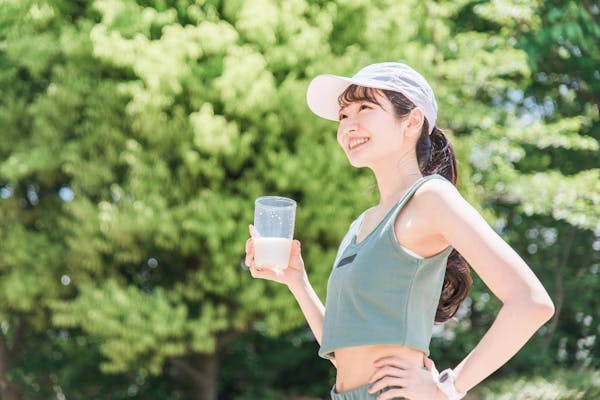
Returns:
(393, 394)
(429, 364)
(253, 232)
(249, 261)
(387, 382)
(392, 361)
(263, 273)
(256, 272)
(250, 249)
(295, 247)
(249, 245)
(295, 251)
(257, 267)
(387, 371)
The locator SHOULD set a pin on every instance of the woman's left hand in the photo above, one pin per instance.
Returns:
(403, 379)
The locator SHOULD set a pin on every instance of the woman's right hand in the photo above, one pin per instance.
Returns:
(294, 274)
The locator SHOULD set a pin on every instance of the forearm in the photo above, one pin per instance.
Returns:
(311, 307)
(514, 325)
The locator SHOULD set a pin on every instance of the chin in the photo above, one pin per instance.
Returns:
(357, 163)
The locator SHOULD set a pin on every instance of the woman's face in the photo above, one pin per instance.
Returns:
(370, 133)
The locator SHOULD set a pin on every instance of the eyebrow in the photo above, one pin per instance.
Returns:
(359, 101)
(358, 93)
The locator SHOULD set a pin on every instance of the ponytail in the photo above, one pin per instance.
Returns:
(435, 154)
(456, 288)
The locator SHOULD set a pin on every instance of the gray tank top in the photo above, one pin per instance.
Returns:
(378, 293)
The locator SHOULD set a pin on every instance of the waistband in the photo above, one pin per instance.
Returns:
(360, 393)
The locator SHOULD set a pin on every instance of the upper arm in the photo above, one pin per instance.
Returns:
(497, 264)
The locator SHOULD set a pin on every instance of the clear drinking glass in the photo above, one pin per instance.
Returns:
(274, 218)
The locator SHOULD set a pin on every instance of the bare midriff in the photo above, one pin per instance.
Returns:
(355, 364)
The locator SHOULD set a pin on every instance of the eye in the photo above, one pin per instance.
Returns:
(365, 107)
(342, 116)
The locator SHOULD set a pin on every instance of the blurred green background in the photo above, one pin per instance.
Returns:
(135, 135)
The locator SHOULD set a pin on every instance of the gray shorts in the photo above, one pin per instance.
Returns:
(360, 393)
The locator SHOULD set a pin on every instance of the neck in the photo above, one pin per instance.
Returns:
(393, 182)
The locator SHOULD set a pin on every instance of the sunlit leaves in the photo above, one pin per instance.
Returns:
(162, 123)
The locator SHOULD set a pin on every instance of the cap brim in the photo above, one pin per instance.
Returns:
(322, 95)
(324, 90)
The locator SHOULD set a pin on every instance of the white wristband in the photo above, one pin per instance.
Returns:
(446, 384)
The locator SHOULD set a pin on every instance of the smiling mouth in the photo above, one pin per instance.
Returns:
(357, 142)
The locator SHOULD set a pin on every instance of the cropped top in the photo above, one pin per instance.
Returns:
(378, 292)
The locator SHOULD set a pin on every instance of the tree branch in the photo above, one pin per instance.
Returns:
(18, 339)
(588, 8)
(225, 339)
(559, 295)
(186, 368)
(4, 362)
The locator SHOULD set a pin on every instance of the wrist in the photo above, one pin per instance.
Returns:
(299, 286)
(445, 384)
(439, 395)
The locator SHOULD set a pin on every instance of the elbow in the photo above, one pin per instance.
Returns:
(544, 308)
(539, 308)
(545, 311)
(549, 310)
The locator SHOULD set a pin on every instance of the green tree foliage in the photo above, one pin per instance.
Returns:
(536, 163)
(136, 135)
(558, 384)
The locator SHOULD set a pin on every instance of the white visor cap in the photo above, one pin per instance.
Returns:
(324, 90)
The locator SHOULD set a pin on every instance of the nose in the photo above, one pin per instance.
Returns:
(349, 125)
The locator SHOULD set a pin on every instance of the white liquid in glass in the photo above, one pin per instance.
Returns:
(272, 252)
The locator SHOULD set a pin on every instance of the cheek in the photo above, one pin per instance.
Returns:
(339, 136)
(376, 122)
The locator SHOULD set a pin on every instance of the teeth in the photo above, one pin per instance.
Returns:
(355, 142)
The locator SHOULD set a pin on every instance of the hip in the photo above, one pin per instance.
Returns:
(359, 393)
(355, 364)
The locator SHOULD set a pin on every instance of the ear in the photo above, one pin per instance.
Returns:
(415, 118)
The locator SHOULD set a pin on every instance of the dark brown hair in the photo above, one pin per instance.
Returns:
(435, 155)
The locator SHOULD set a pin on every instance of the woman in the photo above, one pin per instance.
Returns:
(402, 263)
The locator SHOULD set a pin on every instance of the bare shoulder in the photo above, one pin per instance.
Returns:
(497, 264)
(438, 195)
(442, 205)
(417, 227)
